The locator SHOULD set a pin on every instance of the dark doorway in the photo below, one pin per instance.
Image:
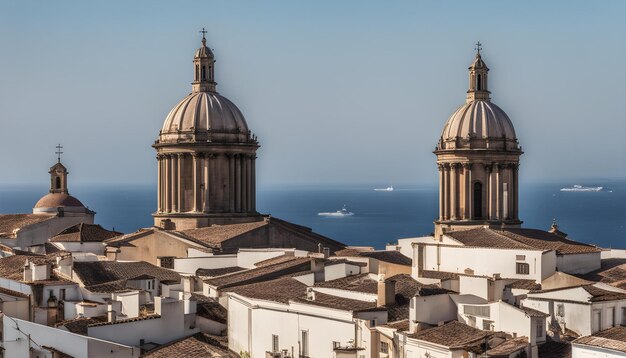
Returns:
(478, 200)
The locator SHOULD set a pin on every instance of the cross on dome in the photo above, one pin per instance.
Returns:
(58, 152)
(478, 47)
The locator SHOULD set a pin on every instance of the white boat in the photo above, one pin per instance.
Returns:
(583, 188)
(389, 188)
(339, 213)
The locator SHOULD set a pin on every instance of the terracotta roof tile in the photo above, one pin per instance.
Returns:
(200, 345)
(359, 283)
(555, 349)
(455, 335)
(612, 338)
(214, 235)
(344, 261)
(11, 222)
(211, 309)
(12, 267)
(340, 303)
(530, 285)
(218, 271)
(278, 290)
(85, 233)
(508, 347)
(261, 273)
(105, 272)
(275, 260)
(390, 256)
(121, 321)
(440, 275)
(599, 294)
(532, 312)
(79, 325)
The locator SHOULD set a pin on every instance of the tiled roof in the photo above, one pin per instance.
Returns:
(214, 235)
(278, 290)
(402, 325)
(79, 325)
(532, 312)
(530, 285)
(612, 272)
(218, 271)
(120, 321)
(612, 338)
(211, 309)
(508, 347)
(261, 273)
(353, 251)
(125, 240)
(106, 272)
(12, 267)
(599, 294)
(85, 233)
(440, 275)
(340, 303)
(359, 283)
(200, 345)
(555, 349)
(344, 261)
(524, 239)
(390, 256)
(455, 335)
(10, 222)
(274, 260)
(6, 291)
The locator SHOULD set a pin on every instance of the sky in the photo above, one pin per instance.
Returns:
(336, 91)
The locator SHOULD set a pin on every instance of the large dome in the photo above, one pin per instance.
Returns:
(479, 120)
(53, 201)
(205, 116)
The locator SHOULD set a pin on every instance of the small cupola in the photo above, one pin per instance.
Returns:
(478, 84)
(204, 68)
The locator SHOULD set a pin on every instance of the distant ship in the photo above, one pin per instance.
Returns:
(339, 213)
(389, 188)
(583, 188)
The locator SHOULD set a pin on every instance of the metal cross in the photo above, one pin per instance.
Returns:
(58, 152)
(478, 47)
(203, 32)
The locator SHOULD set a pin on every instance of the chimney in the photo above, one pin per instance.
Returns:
(310, 294)
(386, 292)
(111, 315)
(28, 273)
(326, 252)
(419, 260)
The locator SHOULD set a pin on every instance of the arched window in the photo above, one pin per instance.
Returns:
(57, 183)
(203, 72)
(478, 82)
(478, 200)
(197, 72)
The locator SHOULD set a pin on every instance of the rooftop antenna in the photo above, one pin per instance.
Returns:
(58, 152)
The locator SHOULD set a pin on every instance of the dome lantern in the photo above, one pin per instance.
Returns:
(478, 84)
(204, 68)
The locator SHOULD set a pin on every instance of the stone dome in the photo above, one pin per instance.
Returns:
(51, 202)
(205, 116)
(482, 123)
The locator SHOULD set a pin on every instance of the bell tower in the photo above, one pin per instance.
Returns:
(478, 160)
(58, 174)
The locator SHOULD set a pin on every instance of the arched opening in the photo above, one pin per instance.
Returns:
(57, 183)
(478, 200)
(478, 82)
(197, 73)
(203, 72)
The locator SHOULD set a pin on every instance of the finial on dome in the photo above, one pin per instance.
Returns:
(58, 152)
(478, 48)
(203, 32)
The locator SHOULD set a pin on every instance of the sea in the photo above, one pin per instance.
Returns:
(380, 217)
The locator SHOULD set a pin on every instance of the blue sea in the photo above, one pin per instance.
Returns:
(380, 217)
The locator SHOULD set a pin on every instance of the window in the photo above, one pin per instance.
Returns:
(167, 262)
(58, 183)
(62, 294)
(487, 325)
(522, 268)
(478, 200)
(478, 84)
(539, 333)
(372, 323)
(274, 343)
(336, 344)
(305, 343)
(203, 72)
(480, 311)
(384, 347)
(610, 315)
(624, 316)
(520, 257)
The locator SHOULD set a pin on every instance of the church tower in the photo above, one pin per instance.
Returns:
(478, 160)
(205, 157)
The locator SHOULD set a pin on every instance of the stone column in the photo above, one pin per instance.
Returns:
(174, 187)
(166, 183)
(253, 184)
(515, 188)
(246, 189)
(490, 193)
(446, 191)
(441, 189)
(159, 185)
(498, 180)
(179, 183)
(454, 192)
(207, 182)
(467, 173)
(238, 182)
(231, 181)
(197, 180)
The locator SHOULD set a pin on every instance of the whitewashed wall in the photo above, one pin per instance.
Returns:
(578, 263)
(189, 265)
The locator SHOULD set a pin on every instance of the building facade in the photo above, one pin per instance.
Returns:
(205, 157)
(478, 159)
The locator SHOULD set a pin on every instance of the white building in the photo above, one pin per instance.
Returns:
(582, 309)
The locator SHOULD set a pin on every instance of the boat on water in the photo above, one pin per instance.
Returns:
(389, 188)
(339, 213)
(583, 188)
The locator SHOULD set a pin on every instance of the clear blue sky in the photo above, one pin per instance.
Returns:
(337, 91)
